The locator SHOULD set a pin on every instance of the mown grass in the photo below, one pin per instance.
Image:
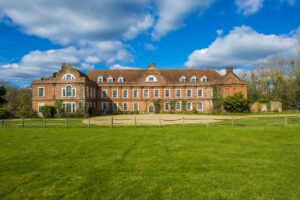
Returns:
(171, 162)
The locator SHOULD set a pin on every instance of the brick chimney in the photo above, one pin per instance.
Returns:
(151, 66)
(229, 70)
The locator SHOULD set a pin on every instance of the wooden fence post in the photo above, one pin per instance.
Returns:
(182, 121)
(2, 123)
(67, 122)
(285, 120)
(134, 121)
(23, 122)
(231, 120)
(89, 122)
(45, 122)
(159, 122)
(207, 121)
(112, 121)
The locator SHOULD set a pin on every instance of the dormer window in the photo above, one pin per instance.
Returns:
(120, 79)
(151, 79)
(100, 79)
(204, 79)
(193, 79)
(110, 79)
(68, 77)
(182, 79)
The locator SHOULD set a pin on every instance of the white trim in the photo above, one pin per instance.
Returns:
(151, 104)
(110, 78)
(158, 92)
(201, 92)
(65, 76)
(112, 105)
(138, 106)
(144, 93)
(112, 93)
(39, 92)
(186, 92)
(181, 78)
(200, 103)
(123, 93)
(38, 108)
(147, 80)
(180, 105)
(165, 93)
(102, 107)
(204, 79)
(73, 108)
(104, 90)
(187, 106)
(121, 79)
(137, 93)
(102, 79)
(193, 78)
(169, 107)
(123, 106)
(73, 94)
(176, 93)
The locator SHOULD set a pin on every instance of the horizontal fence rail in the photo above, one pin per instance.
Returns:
(136, 121)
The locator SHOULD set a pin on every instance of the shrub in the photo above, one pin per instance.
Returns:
(4, 114)
(48, 111)
(236, 103)
(157, 105)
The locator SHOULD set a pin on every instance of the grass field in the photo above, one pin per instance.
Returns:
(171, 162)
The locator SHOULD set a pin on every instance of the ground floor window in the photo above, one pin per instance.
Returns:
(115, 107)
(167, 106)
(125, 106)
(135, 106)
(40, 107)
(104, 106)
(69, 107)
(178, 105)
(200, 106)
(189, 106)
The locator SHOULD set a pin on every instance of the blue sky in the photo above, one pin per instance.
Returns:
(37, 36)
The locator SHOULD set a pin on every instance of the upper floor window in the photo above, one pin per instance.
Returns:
(41, 91)
(167, 93)
(146, 93)
(104, 93)
(121, 80)
(68, 91)
(125, 93)
(110, 79)
(204, 79)
(182, 79)
(200, 93)
(156, 93)
(100, 79)
(151, 79)
(114, 93)
(68, 77)
(189, 93)
(193, 79)
(178, 93)
(135, 93)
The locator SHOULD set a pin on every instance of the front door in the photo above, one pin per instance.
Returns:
(151, 108)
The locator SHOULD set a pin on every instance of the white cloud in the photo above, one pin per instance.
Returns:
(118, 66)
(150, 47)
(171, 14)
(242, 47)
(249, 7)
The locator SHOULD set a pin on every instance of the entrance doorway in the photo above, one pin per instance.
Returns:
(151, 109)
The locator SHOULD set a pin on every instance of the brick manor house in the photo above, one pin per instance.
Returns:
(134, 90)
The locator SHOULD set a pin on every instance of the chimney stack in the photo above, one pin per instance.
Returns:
(229, 70)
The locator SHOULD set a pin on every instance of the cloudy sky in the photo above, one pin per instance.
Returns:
(36, 36)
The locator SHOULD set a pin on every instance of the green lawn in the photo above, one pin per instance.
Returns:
(171, 162)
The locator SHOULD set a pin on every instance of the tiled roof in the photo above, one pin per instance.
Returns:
(170, 75)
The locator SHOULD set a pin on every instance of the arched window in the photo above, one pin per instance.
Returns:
(151, 79)
(110, 79)
(68, 77)
(204, 79)
(182, 79)
(100, 79)
(120, 79)
(193, 79)
(68, 91)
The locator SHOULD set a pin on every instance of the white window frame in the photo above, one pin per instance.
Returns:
(126, 106)
(137, 93)
(138, 106)
(151, 79)
(112, 93)
(186, 93)
(180, 103)
(204, 79)
(201, 105)
(123, 93)
(158, 93)
(102, 106)
(68, 74)
(73, 108)
(169, 93)
(117, 107)
(121, 79)
(169, 106)
(106, 94)
(187, 108)
(198, 92)
(39, 91)
(182, 79)
(110, 79)
(64, 90)
(40, 105)
(193, 79)
(180, 90)
(144, 93)
(100, 78)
